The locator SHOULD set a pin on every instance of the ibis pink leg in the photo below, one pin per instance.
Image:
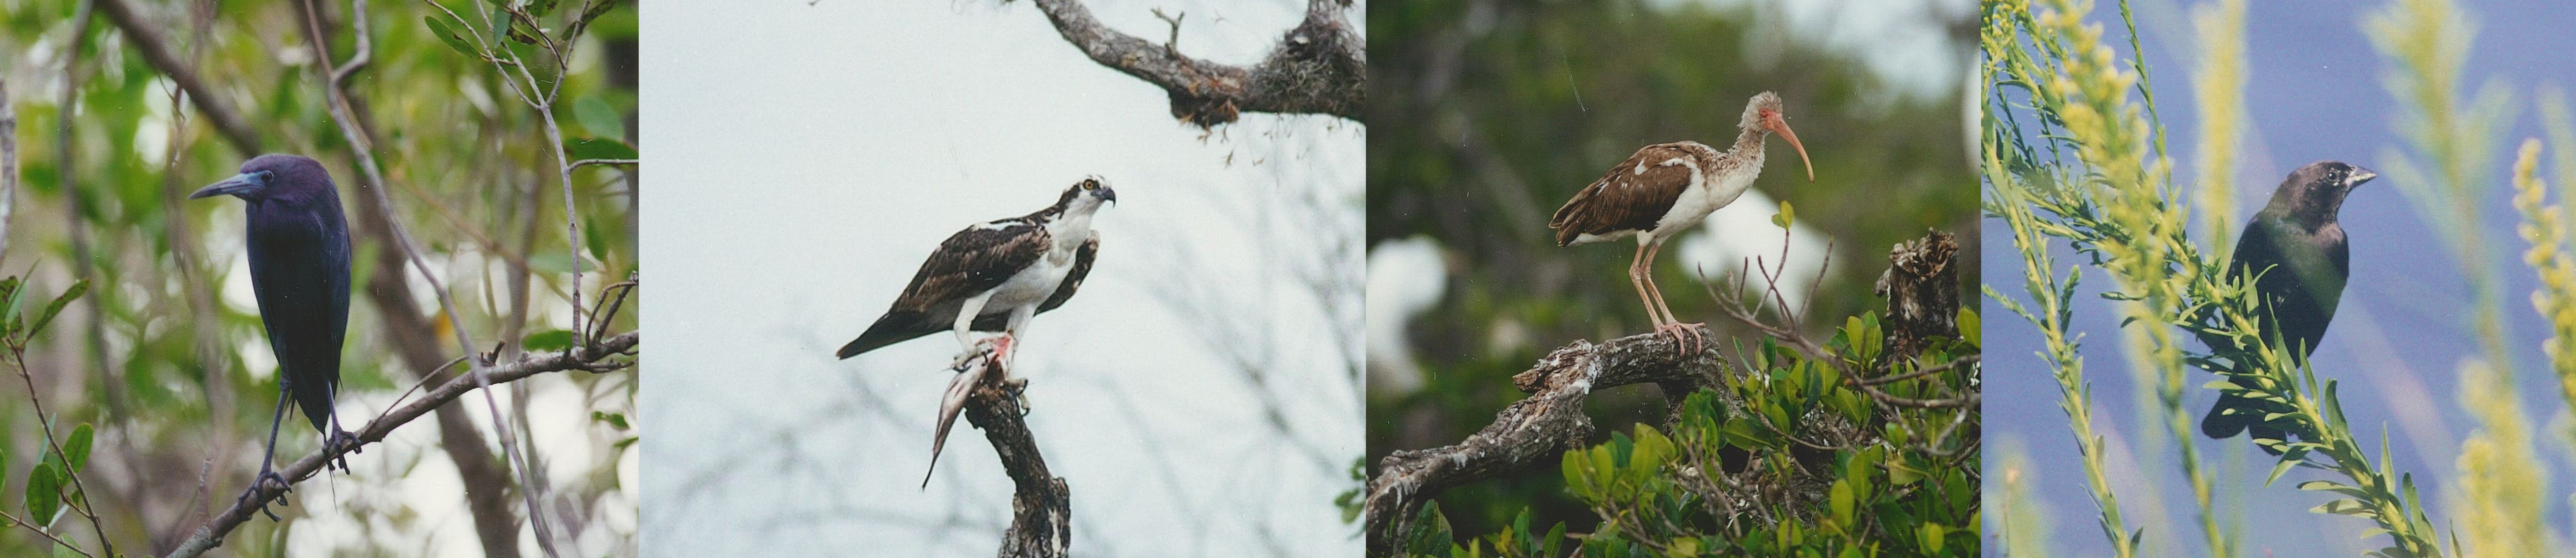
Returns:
(1687, 334)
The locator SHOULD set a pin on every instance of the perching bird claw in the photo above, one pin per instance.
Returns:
(343, 439)
(267, 478)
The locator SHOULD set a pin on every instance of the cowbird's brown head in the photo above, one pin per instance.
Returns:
(2313, 194)
(274, 176)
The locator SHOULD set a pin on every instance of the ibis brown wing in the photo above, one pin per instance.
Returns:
(1631, 197)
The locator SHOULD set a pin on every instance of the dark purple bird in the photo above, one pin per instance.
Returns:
(299, 268)
(2300, 259)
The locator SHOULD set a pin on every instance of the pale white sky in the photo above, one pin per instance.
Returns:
(808, 156)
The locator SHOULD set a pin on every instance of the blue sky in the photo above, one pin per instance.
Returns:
(2314, 93)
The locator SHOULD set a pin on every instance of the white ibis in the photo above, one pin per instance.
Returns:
(1664, 190)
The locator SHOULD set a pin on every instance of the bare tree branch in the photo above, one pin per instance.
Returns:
(1042, 508)
(1320, 67)
(598, 358)
(156, 50)
(1541, 427)
(8, 162)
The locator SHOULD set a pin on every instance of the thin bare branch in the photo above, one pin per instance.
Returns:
(597, 358)
(147, 38)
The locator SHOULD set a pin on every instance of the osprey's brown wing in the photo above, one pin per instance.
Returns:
(969, 263)
(1632, 197)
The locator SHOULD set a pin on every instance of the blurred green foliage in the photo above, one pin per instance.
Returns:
(1510, 106)
(166, 355)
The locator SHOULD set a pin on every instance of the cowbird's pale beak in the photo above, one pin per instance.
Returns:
(2360, 175)
(237, 185)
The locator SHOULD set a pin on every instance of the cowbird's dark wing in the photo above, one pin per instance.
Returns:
(970, 262)
(2302, 275)
(299, 272)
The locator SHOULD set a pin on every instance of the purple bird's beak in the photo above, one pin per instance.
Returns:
(2360, 175)
(237, 185)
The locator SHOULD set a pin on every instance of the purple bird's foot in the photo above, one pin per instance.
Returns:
(267, 478)
(342, 439)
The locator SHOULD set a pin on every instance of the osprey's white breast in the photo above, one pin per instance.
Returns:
(1033, 284)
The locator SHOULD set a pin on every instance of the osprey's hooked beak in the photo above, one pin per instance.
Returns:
(239, 184)
(1781, 126)
(1107, 195)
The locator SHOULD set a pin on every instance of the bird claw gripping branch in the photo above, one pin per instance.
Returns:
(343, 439)
(267, 478)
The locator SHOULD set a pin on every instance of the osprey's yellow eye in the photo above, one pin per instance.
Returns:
(1090, 185)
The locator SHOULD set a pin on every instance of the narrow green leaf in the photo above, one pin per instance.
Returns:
(54, 308)
(449, 35)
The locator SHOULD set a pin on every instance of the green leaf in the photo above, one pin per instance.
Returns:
(1786, 215)
(548, 340)
(598, 148)
(614, 420)
(1841, 501)
(76, 448)
(449, 35)
(54, 308)
(2344, 507)
(595, 116)
(44, 494)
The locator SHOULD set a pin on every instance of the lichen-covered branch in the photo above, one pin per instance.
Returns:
(1319, 67)
(1540, 427)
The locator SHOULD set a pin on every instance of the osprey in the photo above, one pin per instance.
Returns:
(994, 276)
(1664, 190)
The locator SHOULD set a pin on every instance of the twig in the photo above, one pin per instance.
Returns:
(612, 162)
(147, 38)
(8, 162)
(48, 535)
(597, 358)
